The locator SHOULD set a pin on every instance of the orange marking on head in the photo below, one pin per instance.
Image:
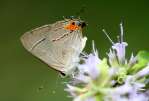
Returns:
(71, 27)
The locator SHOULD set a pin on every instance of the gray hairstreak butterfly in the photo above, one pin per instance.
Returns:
(58, 45)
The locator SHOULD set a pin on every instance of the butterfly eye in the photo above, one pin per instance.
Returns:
(83, 24)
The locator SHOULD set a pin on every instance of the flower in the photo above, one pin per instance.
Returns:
(112, 79)
(143, 72)
(90, 66)
(120, 49)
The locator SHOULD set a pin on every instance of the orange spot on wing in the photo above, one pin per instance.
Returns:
(71, 27)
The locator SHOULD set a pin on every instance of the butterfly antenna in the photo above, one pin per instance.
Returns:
(82, 10)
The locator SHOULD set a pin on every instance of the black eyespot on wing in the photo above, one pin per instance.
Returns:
(73, 23)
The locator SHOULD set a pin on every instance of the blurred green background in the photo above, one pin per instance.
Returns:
(25, 78)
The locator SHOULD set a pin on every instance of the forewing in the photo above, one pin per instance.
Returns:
(36, 42)
(31, 38)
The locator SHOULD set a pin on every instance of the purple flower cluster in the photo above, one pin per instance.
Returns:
(112, 79)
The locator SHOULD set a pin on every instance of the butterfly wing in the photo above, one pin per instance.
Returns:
(56, 46)
(36, 42)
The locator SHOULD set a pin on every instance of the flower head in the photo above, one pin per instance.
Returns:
(113, 80)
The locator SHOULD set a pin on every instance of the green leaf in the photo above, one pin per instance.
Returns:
(104, 76)
(143, 56)
(143, 60)
(147, 82)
